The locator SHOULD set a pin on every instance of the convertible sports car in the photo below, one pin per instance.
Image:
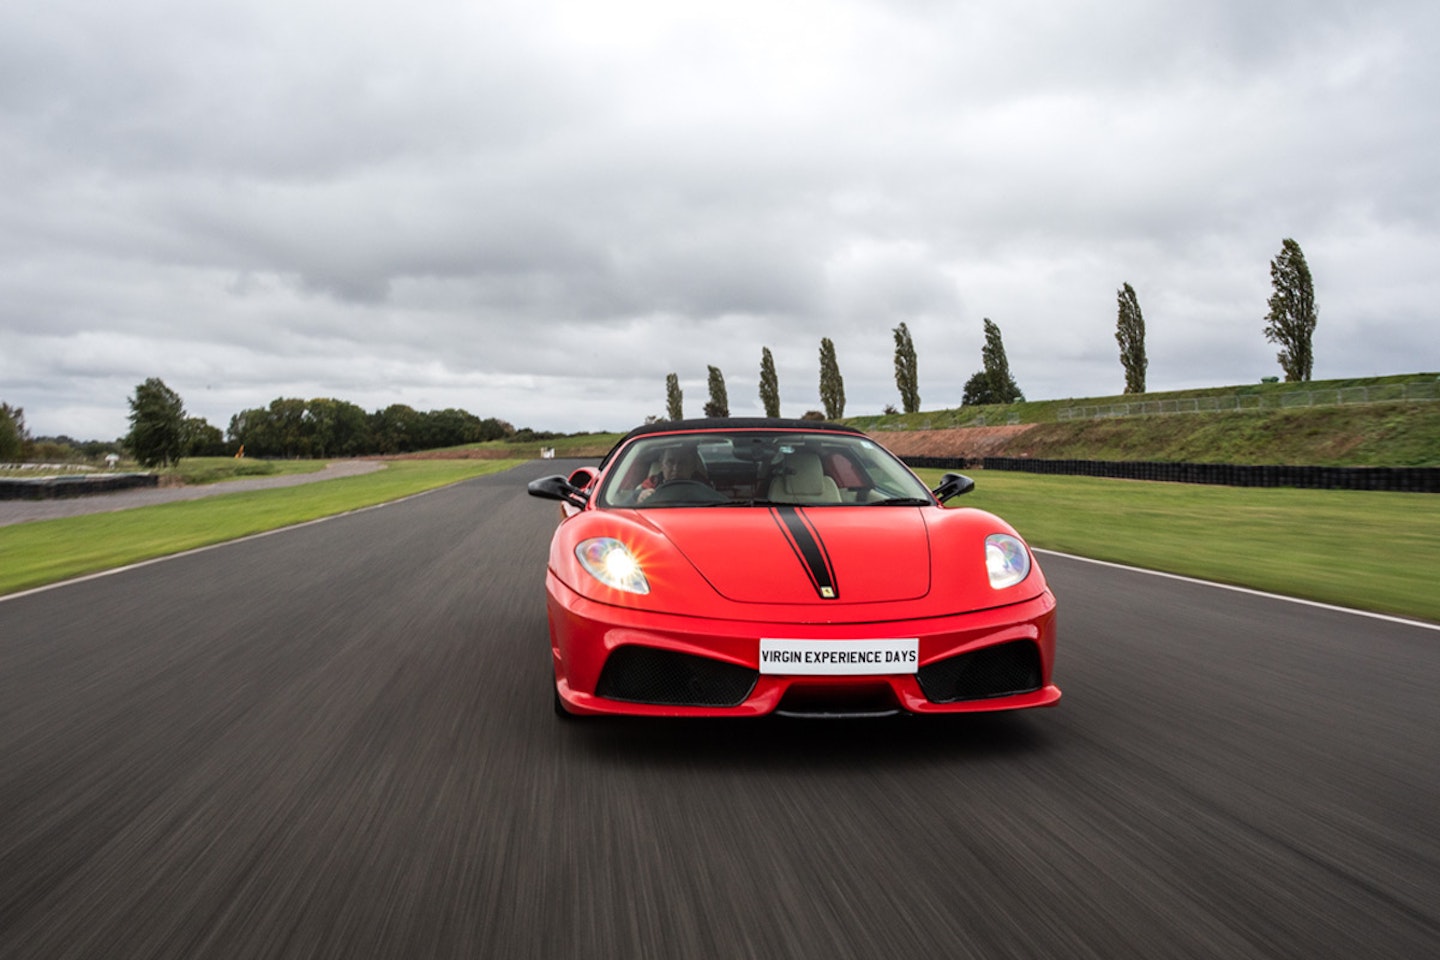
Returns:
(740, 567)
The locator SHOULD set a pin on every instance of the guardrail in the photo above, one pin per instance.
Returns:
(1278, 400)
(1394, 479)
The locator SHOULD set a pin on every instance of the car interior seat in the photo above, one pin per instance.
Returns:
(802, 480)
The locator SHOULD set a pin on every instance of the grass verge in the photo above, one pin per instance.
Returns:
(197, 470)
(46, 551)
(1251, 396)
(1370, 551)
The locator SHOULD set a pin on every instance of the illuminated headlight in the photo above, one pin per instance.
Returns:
(1006, 559)
(609, 561)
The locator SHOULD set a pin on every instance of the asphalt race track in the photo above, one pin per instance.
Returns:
(337, 741)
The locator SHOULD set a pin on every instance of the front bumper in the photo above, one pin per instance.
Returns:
(677, 666)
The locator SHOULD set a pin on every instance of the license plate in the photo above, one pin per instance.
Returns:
(838, 657)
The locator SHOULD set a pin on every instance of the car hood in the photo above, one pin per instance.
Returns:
(791, 555)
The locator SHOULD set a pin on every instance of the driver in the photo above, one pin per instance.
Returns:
(677, 463)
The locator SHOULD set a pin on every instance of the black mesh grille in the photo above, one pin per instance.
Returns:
(647, 675)
(997, 671)
(870, 700)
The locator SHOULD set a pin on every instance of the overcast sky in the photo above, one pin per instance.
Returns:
(535, 210)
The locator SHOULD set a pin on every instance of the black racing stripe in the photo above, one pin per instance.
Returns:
(794, 547)
(809, 550)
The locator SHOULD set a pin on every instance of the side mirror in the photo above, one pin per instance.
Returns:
(557, 488)
(583, 477)
(953, 485)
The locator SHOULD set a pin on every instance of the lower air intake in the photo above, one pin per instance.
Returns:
(646, 675)
(998, 671)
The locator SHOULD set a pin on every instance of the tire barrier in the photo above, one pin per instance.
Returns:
(59, 488)
(1391, 479)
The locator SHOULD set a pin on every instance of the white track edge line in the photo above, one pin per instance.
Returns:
(212, 546)
(1388, 618)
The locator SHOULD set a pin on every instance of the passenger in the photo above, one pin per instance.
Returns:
(677, 463)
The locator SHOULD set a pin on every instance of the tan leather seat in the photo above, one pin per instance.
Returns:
(803, 480)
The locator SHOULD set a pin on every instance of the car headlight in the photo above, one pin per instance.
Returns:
(611, 562)
(1006, 559)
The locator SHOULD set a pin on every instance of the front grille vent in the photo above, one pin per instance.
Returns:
(829, 700)
(998, 671)
(639, 674)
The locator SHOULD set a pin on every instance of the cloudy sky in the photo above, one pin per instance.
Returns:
(536, 209)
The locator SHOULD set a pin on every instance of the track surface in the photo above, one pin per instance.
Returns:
(337, 742)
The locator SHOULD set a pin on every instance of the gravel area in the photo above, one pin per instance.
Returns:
(22, 511)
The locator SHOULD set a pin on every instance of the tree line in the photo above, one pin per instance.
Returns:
(993, 383)
(1290, 322)
(337, 428)
(161, 433)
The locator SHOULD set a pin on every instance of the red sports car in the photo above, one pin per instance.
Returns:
(739, 567)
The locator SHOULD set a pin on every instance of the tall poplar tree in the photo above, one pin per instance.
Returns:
(719, 403)
(674, 399)
(832, 385)
(769, 384)
(993, 383)
(1130, 334)
(907, 376)
(1292, 316)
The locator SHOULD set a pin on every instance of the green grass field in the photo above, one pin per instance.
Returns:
(1371, 551)
(33, 554)
(1254, 396)
(199, 470)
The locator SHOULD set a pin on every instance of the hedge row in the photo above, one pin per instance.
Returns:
(1396, 479)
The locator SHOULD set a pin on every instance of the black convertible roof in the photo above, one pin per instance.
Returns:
(731, 423)
(737, 423)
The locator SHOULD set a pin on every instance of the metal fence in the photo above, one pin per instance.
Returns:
(1277, 400)
(949, 420)
(1394, 479)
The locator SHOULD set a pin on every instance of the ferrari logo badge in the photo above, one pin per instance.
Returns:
(828, 593)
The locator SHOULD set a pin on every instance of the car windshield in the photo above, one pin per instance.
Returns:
(749, 468)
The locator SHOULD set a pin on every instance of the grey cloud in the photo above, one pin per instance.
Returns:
(538, 210)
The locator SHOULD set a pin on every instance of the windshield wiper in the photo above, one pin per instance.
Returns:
(901, 502)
